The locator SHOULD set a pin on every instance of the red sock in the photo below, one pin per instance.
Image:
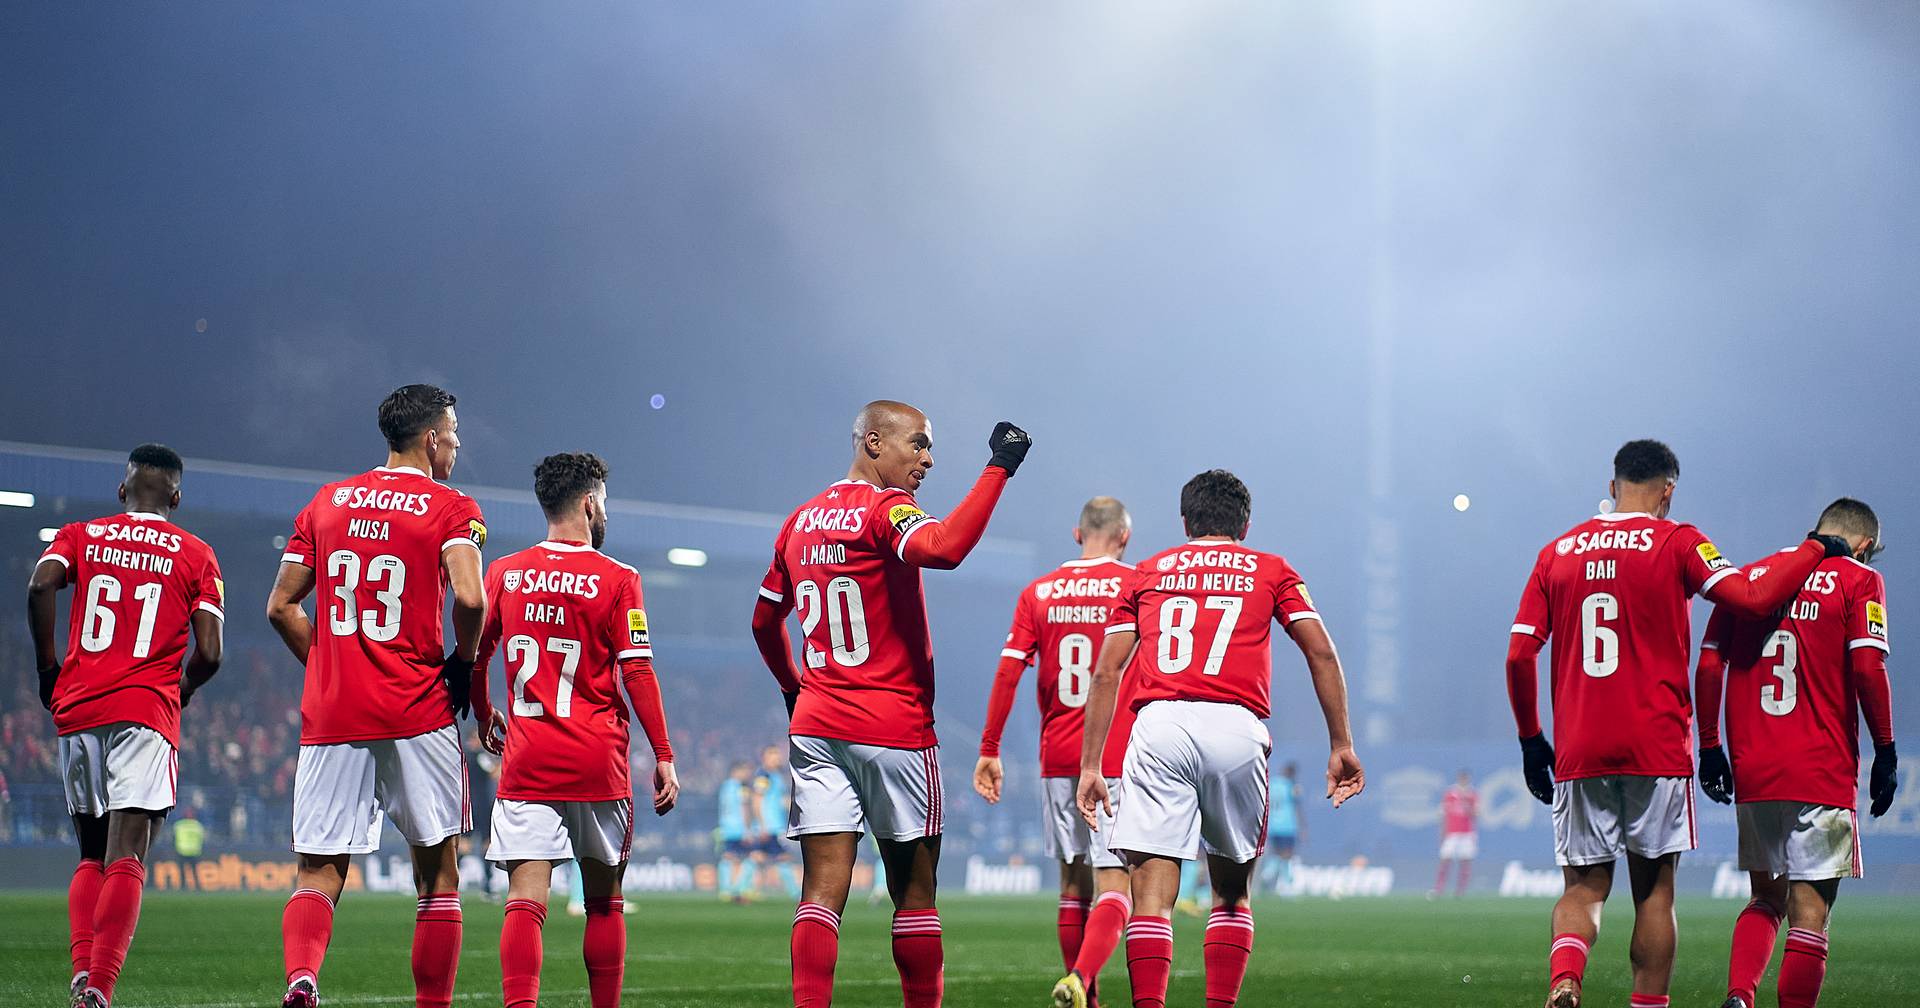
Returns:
(114, 918)
(1149, 959)
(1104, 927)
(1753, 934)
(83, 894)
(1229, 944)
(605, 949)
(1803, 969)
(305, 929)
(917, 954)
(1647, 1001)
(1440, 878)
(1072, 926)
(1460, 877)
(521, 952)
(815, 947)
(1568, 959)
(436, 949)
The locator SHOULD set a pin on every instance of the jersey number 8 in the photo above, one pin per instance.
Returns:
(1076, 669)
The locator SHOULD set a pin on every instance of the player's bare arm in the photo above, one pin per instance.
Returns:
(1092, 795)
(460, 564)
(42, 591)
(1345, 777)
(289, 618)
(208, 642)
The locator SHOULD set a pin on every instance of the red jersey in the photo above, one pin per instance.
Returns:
(568, 615)
(1610, 597)
(374, 543)
(137, 581)
(1792, 711)
(1056, 626)
(1205, 614)
(867, 676)
(1457, 809)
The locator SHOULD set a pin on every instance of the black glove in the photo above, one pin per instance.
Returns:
(456, 673)
(1882, 781)
(1536, 756)
(1716, 776)
(791, 699)
(1835, 546)
(1009, 446)
(47, 677)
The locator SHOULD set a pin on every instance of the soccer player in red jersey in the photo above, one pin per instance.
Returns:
(863, 751)
(1796, 682)
(1611, 593)
(575, 627)
(141, 583)
(1055, 624)
(1459, 841)
(377, 719)
(1195, 772)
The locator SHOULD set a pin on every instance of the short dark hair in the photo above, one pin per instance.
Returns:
(1645, 461)
(560, 480)
(1103, 514)
(1850, 515)
(154, 455)
(410, 409)
(1216, 503)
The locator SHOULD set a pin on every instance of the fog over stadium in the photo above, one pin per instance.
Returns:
(1368, 256)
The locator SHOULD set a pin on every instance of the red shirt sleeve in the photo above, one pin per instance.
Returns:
(770, 617)
(1766, 588)
(629, 632)
(489, 642)
(1867, 650)
(925, 541)
(643, 690)
(464, 524)
(1014, 659)
(1126, 608)
(1709, 679)
(1534, 618)
(300, 545)
(1867, 617)
(209, 590)
(1293, 603)
(64, 549)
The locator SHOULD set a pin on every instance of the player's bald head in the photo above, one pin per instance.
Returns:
(887, 418)
(1104, 516)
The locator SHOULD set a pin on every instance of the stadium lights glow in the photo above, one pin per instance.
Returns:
(681, 556)
(47, 534)
(15, 498)
(1460, 502)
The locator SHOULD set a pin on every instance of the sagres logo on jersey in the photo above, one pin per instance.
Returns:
(1166, 562)
(1044, 590)
(1877, 620)
(340, 495)
(512, 580)
(96, 530)
(1564, 546)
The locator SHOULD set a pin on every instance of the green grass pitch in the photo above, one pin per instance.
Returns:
(224, 950)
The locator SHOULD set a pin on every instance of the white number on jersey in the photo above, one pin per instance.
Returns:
(98, 621)
(1780, 699)
(1599, 645)
(846, 617)
(1177, 617)
(1076, 669)
(344, 617)
(526, 651)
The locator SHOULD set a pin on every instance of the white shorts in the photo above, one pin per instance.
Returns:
(1195, 775)
(118, 766)
(1459, 846)
(1800, 840)
(846, 787)
(1597, 818)
(1068, 837)
(558, 831)
(340, 789)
